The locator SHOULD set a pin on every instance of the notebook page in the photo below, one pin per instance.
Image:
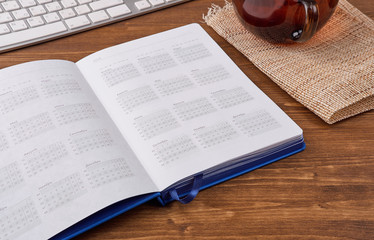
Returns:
(61, 157)
(182, 104)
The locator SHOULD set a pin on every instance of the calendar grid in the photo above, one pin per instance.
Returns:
(31, 127)
(155, 123)
(191, 53)
(169, 151)
(86, 141)
(10, 101)
(59, 85)
(116, 75)
(209, 136)
(156, 62)
(10, 176)
(61, 192)
(42, 159)
(132, 99)
(210, 75)
(74, 113)
(193, 109)
(256, 123)
(174, 85)
(232, 97)
(101, 173)
(18, 219)
(4, 144)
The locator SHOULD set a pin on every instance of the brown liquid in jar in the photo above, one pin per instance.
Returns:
(279, 20)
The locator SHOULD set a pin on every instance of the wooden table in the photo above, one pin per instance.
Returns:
(325, 192)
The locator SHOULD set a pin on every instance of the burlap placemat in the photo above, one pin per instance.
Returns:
(332, 74)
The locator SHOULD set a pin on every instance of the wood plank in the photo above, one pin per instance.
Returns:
(325, 192)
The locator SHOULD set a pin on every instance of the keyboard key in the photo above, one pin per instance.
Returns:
(143, 4)
(4, 29)
(37, 10)
(83, 9)
(53, 6)
(98, 16)
(69, 3)
(5, 17)
(67, 13)
(156, 2)
(10, 5)
(27, 3)
(118, 10)
(81, 2)
(18, 25)
(102, 4)
(51, 17)
(44, 1)
(32, 33)
(77, 22)
(35, 21)
(21, 14)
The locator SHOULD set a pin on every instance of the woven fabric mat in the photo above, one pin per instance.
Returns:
(332, 74)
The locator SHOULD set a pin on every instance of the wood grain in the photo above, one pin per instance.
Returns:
(325, 192)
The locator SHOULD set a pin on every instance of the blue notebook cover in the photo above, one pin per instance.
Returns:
(103, 216)
(165, 197)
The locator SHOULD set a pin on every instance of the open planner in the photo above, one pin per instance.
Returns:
(159, 117)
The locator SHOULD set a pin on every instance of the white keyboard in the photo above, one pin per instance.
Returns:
(27, 22)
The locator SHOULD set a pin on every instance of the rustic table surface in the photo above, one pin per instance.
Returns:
(324, 192)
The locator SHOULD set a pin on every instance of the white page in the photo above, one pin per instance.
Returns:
(182, 104)
(61, 157)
